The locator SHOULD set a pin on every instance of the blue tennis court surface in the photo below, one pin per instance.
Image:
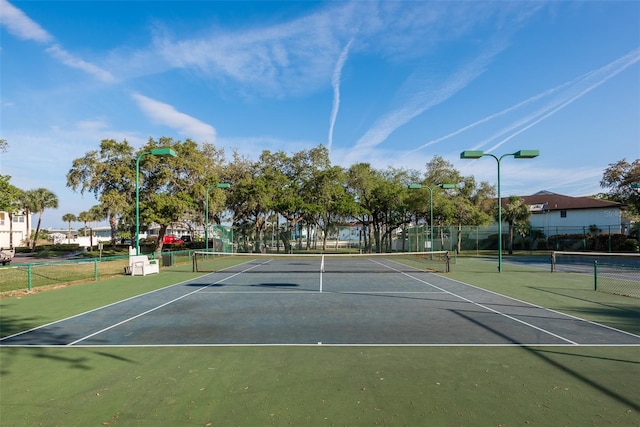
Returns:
(302, 308)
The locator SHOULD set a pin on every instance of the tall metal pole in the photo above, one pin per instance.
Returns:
(138, 201)
(499, 216)
(206, 219)
(522, 154)
(431, 217)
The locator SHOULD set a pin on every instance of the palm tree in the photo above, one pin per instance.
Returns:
(69, 218)
(94, 214)
(515, 212)
(37, 201)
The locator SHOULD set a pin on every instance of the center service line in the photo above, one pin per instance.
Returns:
(152, 310)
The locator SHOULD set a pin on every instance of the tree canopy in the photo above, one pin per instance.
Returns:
(619, 178)
(301, 190)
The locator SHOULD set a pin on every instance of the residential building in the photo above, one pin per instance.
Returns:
(558, 214)
(20, 228)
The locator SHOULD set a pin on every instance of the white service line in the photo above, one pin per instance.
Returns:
(545, 308)
(489, 308)
(154, 309)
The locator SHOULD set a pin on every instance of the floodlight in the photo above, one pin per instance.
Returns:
(471, 154)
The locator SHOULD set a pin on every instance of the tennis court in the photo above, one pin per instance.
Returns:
(295, 301)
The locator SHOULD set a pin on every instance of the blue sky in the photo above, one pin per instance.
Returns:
(389, 83)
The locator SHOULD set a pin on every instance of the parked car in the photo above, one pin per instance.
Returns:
(6, 255)
(171, 239)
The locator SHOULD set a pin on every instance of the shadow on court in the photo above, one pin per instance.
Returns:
(570, 367)
(275, 285)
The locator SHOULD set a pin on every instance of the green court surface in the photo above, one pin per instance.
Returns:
(455, 385)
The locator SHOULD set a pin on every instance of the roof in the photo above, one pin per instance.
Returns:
(548, 201)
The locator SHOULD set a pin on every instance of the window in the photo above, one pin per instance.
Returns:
(18, 218)
(563, 214)
(1, 218)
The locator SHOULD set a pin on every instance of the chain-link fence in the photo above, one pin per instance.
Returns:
(28, 276)
(618, 279)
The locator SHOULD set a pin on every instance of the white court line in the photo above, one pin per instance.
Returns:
(544, 308)
(491, 309)
(99, 308)
(324, 344)
(154, 309)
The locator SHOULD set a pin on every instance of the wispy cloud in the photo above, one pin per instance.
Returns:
(20, 25)
(23, 27)
(291, 57)
(420, 101)
(72, 61)
(166, 114)
(335, 82)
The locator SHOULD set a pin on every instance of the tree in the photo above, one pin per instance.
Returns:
(94, 214)
(173, 188)
(514, 213)
(290, 175)
(108, 173)
(10, 201)
(37, 201)
(4, 145)
(468, 204)
(69, 218)
(330, 200)
(618, 179)
(391, 198)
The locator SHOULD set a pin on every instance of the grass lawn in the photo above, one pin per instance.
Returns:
(322, 385)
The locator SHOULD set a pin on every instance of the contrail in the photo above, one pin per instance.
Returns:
(627, 60)
(335, 82)
(493, 116)
(623, 62)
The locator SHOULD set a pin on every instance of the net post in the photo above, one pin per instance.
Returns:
(95, 269)
(553, 261)
(595, 275)
(447, 258)
(194, 262)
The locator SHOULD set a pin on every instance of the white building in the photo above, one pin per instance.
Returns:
(20, 229)
(66, 236)
(558, 214)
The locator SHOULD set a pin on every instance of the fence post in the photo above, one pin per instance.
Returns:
(29, 276)
(595, 275)
(95, 269)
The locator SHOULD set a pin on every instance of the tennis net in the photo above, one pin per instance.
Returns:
(617, 279)
(395, 262)
(614, 273)
(582, 262)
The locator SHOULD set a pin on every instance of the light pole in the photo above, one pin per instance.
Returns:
(162, 152)
(636, 186)
(419, 186)
(521, 154)
(206, 212)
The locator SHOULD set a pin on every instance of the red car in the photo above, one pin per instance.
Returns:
(170, 239)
